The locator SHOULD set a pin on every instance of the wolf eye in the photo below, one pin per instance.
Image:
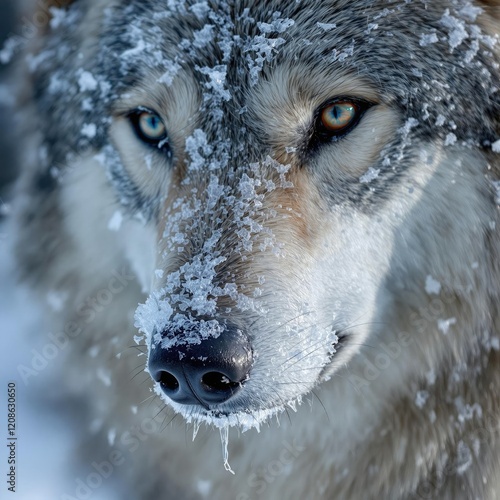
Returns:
(337, 118)
(149, 127)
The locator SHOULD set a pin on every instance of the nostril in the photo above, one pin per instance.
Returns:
(168, 381)
(216, 381)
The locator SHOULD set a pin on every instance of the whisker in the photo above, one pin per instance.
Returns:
(163, 427)
(148, 398)
(138, 366)
(321, 403)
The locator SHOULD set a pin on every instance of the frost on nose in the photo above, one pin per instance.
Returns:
(212, 232)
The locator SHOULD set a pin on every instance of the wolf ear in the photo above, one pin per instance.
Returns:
(58, 3)
(491, 7)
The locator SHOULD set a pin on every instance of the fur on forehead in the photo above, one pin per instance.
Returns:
(400, 78)
(397, 79)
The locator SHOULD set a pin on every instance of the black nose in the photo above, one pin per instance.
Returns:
(203, 374)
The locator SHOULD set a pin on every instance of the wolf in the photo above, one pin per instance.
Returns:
(293, 209)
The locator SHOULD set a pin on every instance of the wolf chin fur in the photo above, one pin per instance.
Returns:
(365, 270)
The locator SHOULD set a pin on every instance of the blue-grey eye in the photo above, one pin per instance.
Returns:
(339, 116)
(149, 127)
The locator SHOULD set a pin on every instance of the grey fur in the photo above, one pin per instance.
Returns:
(441, 447)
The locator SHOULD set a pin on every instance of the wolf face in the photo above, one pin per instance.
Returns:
(280, 155)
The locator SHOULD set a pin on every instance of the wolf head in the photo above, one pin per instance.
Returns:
(306, 166)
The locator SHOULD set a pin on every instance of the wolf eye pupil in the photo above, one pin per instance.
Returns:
(151, 122)
(338, 116)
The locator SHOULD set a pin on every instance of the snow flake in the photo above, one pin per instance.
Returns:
(217, 76)
(370, 175)
(87, 82)
(94, 351)
(116, 220)
(326, 26)
(171, 70)
(456, 29)
(410, 124)
(136, 51)
(371, 27)
(440, 120)
(430, 377)
(495, 343)
(466, 411)
(472, 52)
(204, 36)
(10, 47)
(111, 437)
(428, 39)
(421, 398)
(496, 187)
(277, 26)
(432, 286)
(57, 299)
(204, 487)
(470, 12)
(200, 9)
(263, 48)
(89, 130)
(343, 54)
(444, 324)
(58, 17)
(450, 139)
(198, 148)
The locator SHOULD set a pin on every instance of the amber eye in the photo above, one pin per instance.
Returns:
(336, 118)
(339, 116)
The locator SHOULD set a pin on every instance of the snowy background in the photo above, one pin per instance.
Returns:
(46, 439)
